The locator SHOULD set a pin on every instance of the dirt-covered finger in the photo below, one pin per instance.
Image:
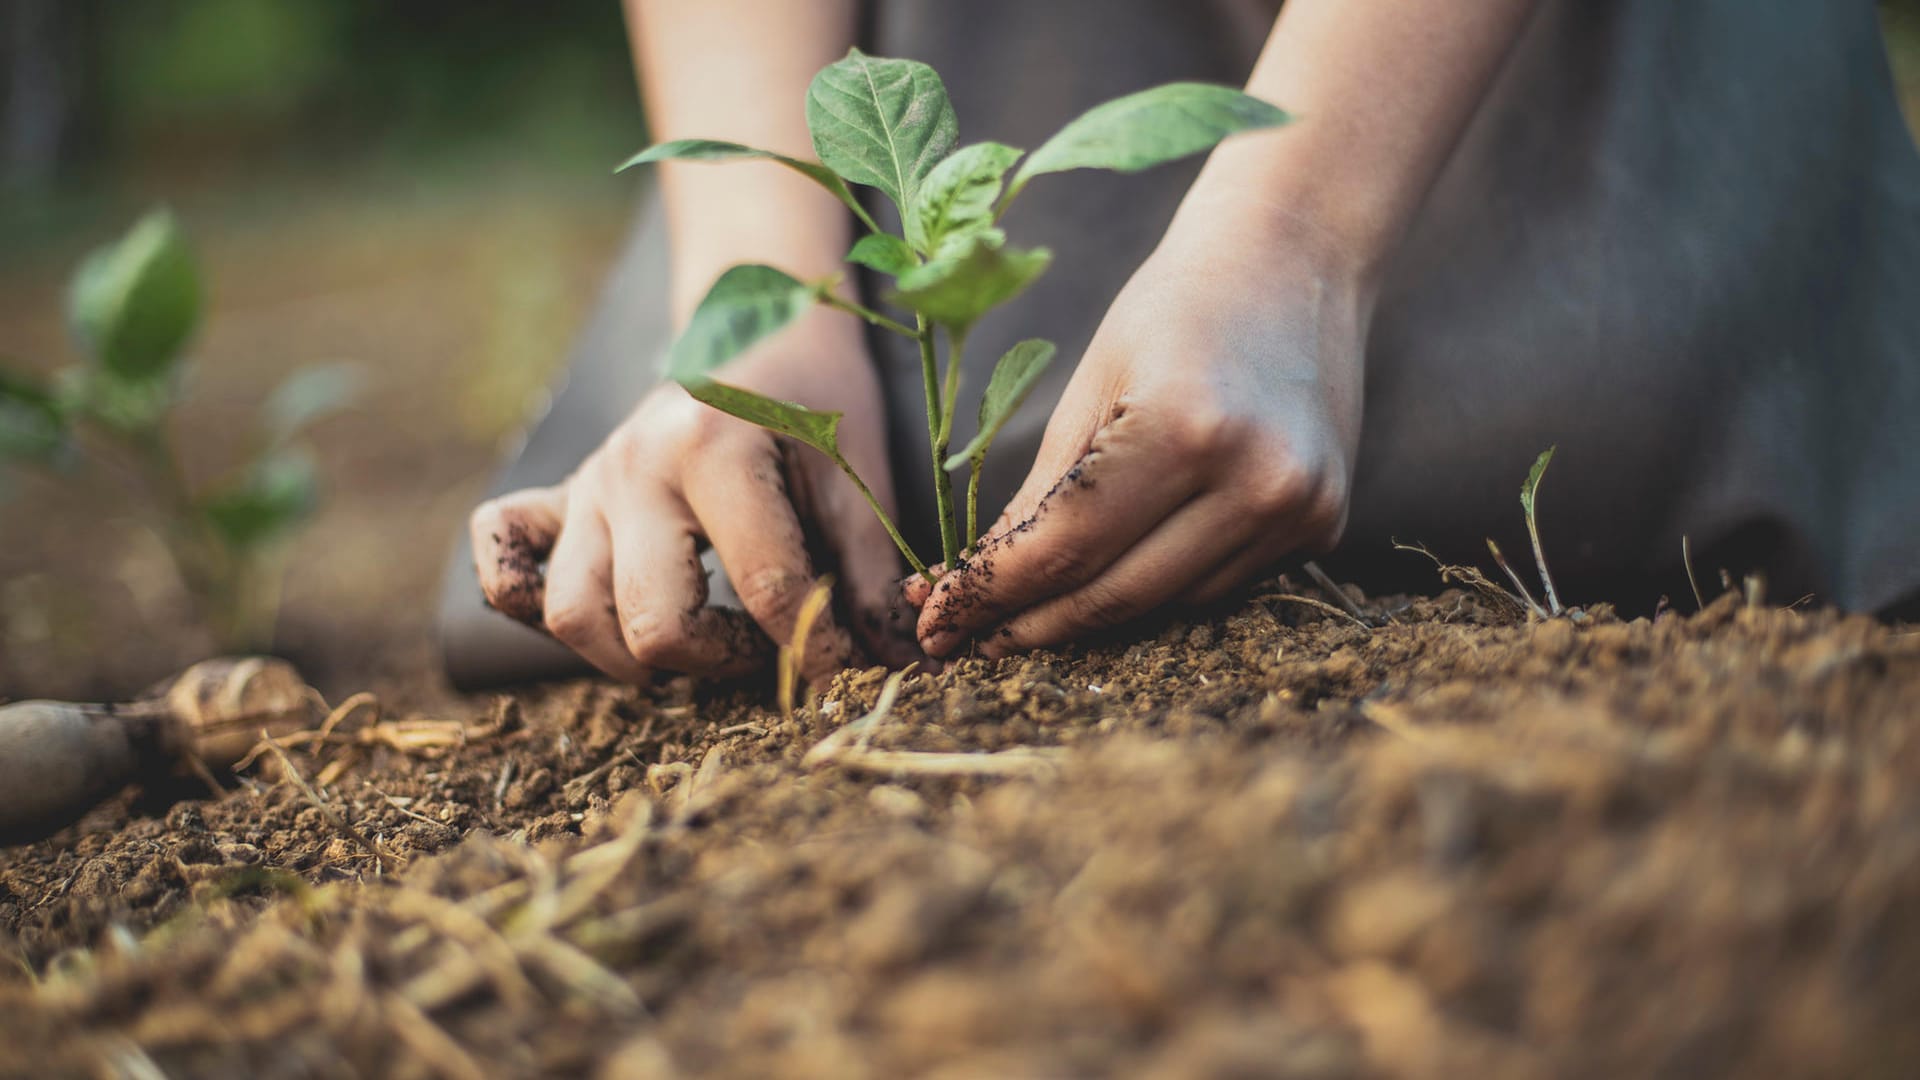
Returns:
(1092, 515)
(512, 537)
(742, 505)
(660, 595)
(1156, 571)
(579, 607)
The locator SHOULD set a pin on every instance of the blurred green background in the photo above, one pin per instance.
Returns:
(423, 189)
(119, 102)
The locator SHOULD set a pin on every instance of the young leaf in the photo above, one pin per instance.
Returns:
(267, 499)
(1149, 128)
(819, 430)
(718, 150)
(1532, 486)
(33, 426)
(306, 396)
(1528, 491)
(884, 252)
(959, 193)
(969, 279)
(1013, 379)
(134, 303)
(127, 406)
(746, 304)
(883, 123)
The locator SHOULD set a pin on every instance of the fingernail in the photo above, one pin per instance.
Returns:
(941, 642)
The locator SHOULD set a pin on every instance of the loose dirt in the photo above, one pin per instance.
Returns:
(1267, 842)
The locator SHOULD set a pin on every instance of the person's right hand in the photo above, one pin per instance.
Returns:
(622, 583)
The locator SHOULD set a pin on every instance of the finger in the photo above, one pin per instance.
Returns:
(1189, 545)
(1248, 564)
(511, 537)
(744, 509)
(660, 594)
(579, 607)
(1098, 510)
(916, 588)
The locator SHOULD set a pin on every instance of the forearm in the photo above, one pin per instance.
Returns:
(702, 76)
(1383, 92)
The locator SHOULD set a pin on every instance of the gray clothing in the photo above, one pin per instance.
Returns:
(1676, 240)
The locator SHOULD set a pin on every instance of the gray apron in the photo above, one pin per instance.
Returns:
(1680, 241)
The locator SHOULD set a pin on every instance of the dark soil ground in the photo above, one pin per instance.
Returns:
(1271, 843)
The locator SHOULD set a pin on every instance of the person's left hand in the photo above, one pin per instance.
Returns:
(1209, 431)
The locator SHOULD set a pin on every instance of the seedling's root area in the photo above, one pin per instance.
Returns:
(1279, 840)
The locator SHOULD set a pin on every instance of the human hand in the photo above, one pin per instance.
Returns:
(1209, 430)
(622, 583)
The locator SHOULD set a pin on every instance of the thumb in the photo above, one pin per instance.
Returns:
(1077, 417)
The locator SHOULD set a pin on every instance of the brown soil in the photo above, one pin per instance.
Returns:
(1275, 842)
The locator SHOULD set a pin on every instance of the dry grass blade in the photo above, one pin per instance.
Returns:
(1686, 559)
(611, 861)
(794, 653)
(340, 824)
(863, 728)
(479, 944)
(1021, 762)
(1533, 606)
(436, 1049)
(1334, 590)
(1472, 578)
(1317, 605)
(583, 976)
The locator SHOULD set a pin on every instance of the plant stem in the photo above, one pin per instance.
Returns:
(841, 304)
(885, 521)
(942, 483)
(973, 504)
(219, 578)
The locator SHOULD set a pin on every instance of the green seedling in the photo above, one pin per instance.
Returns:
(133, 306)
(1527, 492)
(1519, 599)
(887, 124)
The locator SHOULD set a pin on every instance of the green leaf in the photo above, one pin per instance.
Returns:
(884, 252)
(883, 123)
(1528, 489)
(135, 302)
(819, 430)
(308, 395)
(970, 279)
(746, 304)
(266, 501)
(33, 426)
(718, 150)
(1013, 379)
(127, 406)
(1149, 128)
(959, 193)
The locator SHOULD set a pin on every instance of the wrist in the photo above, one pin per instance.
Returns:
(1249, 197)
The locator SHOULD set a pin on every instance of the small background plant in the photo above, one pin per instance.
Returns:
(133, 306)
(887, 124)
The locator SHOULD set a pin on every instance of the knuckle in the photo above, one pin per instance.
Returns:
(1067, 563)
(773, 594)
(652, 638)
(1203, 430)
(1279, 491)
(569, 618)
(1099, 605)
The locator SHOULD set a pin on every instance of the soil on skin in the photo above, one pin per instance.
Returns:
(1274, 842)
